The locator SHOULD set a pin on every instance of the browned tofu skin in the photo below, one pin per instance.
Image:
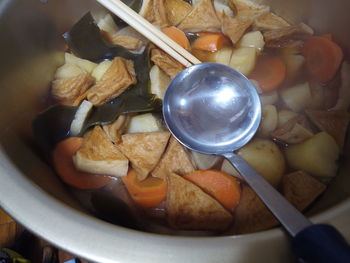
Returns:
(202, 18)
(293, 131)
(128, 42)
(71, 88)
(301, 189)
(188, 207)
(269, 21)
(119, 76)
(144, 150)
(234, 28)
(334, 122)
(155, 13)
(115, 130)
(169, 65)
(177, 10)
(176, 159)
(285, 36)
(98, 155)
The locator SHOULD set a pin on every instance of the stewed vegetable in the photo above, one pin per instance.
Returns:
(105, 136)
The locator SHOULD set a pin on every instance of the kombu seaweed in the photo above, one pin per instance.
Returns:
(85, 41)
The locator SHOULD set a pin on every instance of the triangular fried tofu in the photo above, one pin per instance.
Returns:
(269, 21)
(144, 150)
(118, 77)
(301, 189)
(177, 10)
(202, 18)
(247, 8)
(98, 155)
(234, 28)
(175, 160)
(333, 122)
(251, 214)
(189, 208)
(154, 11)
(282, 37)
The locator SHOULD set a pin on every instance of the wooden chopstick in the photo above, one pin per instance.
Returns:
(150, 32)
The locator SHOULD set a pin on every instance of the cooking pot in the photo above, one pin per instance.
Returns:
(31, 49)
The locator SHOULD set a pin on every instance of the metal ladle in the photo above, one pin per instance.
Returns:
(214, 109)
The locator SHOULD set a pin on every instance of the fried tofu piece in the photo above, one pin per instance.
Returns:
(177, 10)
(69, 89)
(251, 215)
(118, 77)
(169, 65)
(282, 37)
(334, 122)
(144, 150)
(235, 28)
(269, 21)
(176, 159)
(294, 131)
(202, 18)
(155, 12)
(128, 42)
(247, 8)
(115, 130)
(189, 208)
(98, 155)
(301, 189)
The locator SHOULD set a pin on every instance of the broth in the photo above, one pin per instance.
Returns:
(300, 118)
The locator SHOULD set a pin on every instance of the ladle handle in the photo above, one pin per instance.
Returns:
(292, 220)
(321, 244)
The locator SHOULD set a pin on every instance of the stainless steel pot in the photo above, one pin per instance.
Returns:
(29, 47)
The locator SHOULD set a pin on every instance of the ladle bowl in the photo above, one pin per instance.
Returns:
(215, 103)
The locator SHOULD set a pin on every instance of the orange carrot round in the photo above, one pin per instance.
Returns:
(328, 36)
(210, 42)
(322, 57)
(149, 192)
(269, 72)
(63, 163)
(223, 187)
(178, 36)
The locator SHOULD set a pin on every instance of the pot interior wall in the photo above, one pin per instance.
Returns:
(31, 49)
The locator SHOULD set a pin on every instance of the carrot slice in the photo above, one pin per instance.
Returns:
(328, 36)
(322, 57)
(210, 42)
(149, 192)
(178, 36)
(64, 166)
(223, 187)
(269, 72)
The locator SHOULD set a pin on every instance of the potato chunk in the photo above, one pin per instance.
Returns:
(252, 39)
(266, 158)
(316, 155)
(243, 59)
